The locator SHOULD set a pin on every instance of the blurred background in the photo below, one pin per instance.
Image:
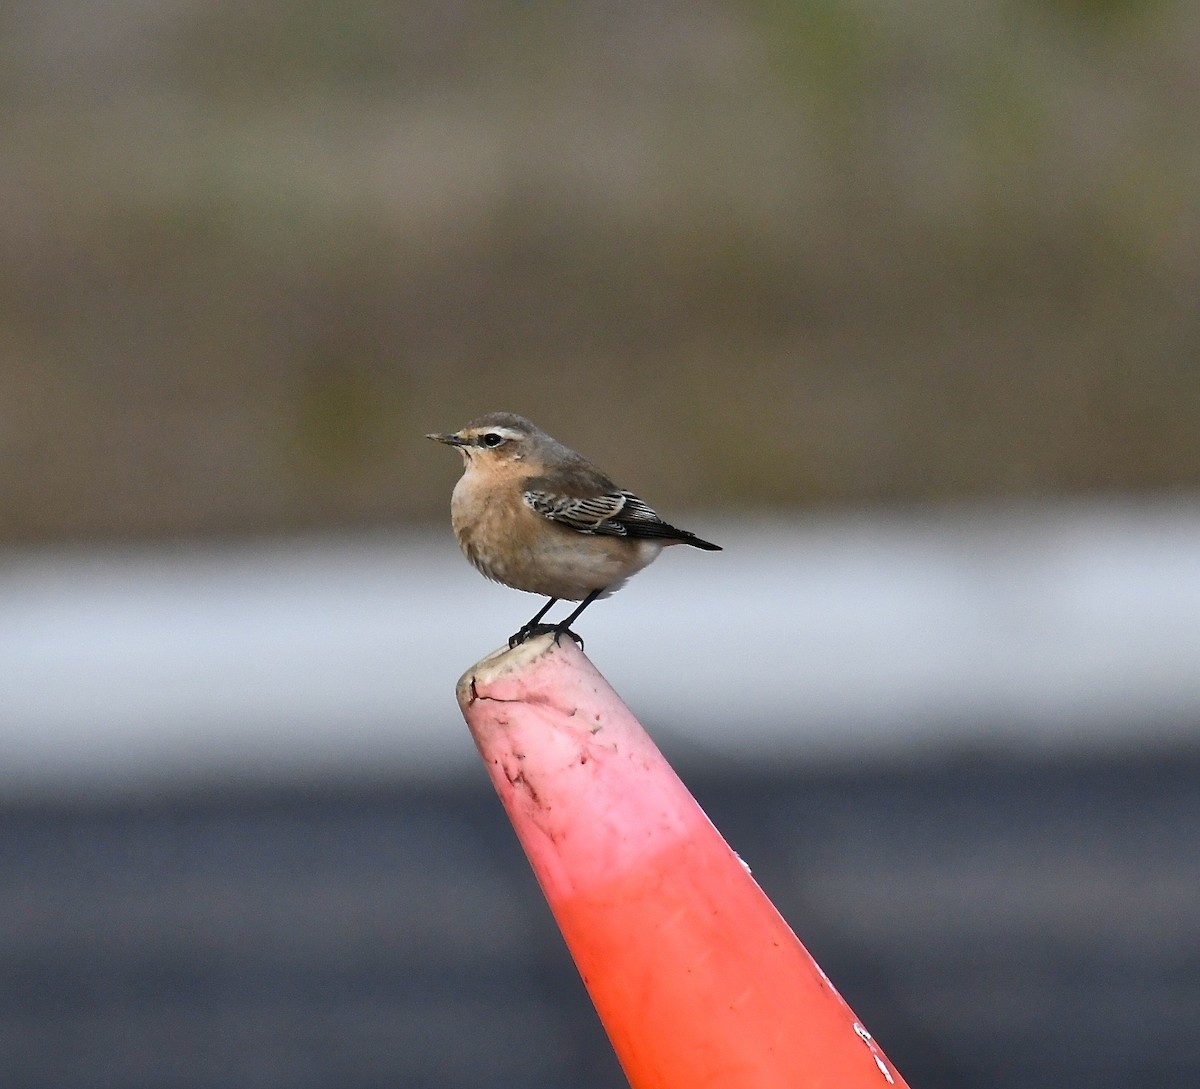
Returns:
(898, 302)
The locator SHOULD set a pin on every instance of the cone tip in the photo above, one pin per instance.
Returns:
(502, 662)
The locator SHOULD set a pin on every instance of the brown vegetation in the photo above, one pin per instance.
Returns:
(742, 254)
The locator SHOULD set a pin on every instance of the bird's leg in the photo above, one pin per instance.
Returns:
(564, 628)
(526, 630)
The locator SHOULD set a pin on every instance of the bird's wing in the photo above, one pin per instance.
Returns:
(610, 513)
(587, 514)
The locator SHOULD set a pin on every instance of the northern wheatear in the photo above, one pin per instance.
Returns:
(536, 516)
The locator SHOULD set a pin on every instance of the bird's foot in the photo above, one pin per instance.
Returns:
(561, 629)
(524, 632)
(530, 630)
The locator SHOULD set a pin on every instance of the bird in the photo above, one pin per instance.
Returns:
(532, 514)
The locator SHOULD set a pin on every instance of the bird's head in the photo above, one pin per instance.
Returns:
(493, 440)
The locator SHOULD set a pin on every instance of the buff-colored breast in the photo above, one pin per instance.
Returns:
(510, 543)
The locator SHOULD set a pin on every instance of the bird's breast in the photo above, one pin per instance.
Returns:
(508, 542)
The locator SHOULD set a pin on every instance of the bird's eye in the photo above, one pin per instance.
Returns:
(492, 439)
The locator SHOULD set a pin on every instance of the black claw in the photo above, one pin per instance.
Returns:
(527, 632)
(561, 629)
(530, 630)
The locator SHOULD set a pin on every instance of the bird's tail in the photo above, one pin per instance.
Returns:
(658, 530)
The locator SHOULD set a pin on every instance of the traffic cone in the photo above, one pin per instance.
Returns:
(699, 982)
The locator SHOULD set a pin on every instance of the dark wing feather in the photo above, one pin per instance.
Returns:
(609, 513)
(587, 514)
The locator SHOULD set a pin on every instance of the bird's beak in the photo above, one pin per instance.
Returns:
(449, 440)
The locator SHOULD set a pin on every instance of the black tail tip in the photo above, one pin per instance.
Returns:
(708, 546)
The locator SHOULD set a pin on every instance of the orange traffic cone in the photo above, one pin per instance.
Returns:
(698, 981)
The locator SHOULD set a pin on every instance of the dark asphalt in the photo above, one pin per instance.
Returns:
(993, 924)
